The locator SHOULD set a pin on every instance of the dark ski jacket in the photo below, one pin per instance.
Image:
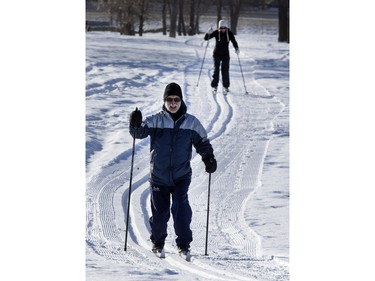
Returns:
(171, 145)
(222, 42)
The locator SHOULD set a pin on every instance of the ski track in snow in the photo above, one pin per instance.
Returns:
(235, 250)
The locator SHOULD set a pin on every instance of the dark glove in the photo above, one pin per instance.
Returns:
(210, 162)
(135, 119)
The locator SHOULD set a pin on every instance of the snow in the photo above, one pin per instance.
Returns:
(44, 202)
(249, 201)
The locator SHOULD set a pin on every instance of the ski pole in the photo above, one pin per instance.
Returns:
(208, 211)
(238, 56)
(202, 63)
(130, 191)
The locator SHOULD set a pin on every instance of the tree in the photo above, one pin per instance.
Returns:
(219, 7)
(235, 7)
(192, 13)
(284, 21)
(143, 7)
(164, 17)
(196, 6)
(181, 22)
(173, 19)
(126, 13)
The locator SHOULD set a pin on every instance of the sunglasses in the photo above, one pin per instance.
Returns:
(173, 99)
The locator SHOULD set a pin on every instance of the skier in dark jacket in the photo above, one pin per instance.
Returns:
(173, 133)
(221, 54)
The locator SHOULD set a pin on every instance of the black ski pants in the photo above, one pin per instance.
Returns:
(223, 62)
(181, 212)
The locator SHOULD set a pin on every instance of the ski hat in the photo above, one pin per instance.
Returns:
(222, 23)
(172, 89)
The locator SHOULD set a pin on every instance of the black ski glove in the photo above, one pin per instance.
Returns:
(135, 119)
(210, 162)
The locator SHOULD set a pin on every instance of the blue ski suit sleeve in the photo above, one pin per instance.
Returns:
(171, 144)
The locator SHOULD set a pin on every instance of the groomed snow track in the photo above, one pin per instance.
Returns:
(242, 139)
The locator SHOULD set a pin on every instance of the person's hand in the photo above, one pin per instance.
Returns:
(237, 51)
(210, 30)
(135, 119)
(210, 162)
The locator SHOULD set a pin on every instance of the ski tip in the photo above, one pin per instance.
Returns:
(186, 256)
(160, 254)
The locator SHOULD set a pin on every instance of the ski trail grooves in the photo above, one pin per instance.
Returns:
(105, 225)
(247, 152)
(141, 226)
(242, 138)
(218, 130)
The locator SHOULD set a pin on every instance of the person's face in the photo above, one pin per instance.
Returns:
(172, 103)
(222, 29)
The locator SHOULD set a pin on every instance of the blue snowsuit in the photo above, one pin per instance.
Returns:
(170, 171)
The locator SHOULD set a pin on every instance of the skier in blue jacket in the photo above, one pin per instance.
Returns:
(173, 132)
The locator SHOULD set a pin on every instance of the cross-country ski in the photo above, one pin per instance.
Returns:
(186, 255)
(160, 253)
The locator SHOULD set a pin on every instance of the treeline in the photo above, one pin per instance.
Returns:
(178, 17)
